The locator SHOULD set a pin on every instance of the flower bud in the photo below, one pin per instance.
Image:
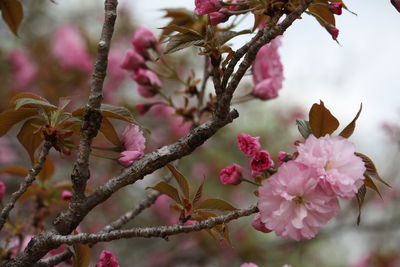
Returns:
(66, 195)
(231, 175)
(336, 8)
(207, 6)
(261, 161)
(258, 224)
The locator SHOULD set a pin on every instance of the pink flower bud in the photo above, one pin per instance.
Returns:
(283, 157)
(218, 17)
(207, 6)
(258, 224)
(2, 190)
(146, 77)
(66, 195)
(334, 32)
(132, 60)
(143, 108)
(143, 39)
(336, 8)
(396, 4)
(129, 156)
(261, 161)
(146, 91)
(248, 144)
(107, 259)
(231, 174)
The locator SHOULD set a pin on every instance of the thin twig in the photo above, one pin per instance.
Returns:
(56, 259)
(29, 179)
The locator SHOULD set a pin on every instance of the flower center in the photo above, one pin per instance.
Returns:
(298, 200)
(328, 166)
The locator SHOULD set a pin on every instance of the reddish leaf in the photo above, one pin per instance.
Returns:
(215, 204)
(82, 255)
(199, 193)
(348, 131)
(371, 169)
(324, 16)
(12, 13)
(201, 215)
(322, 121)
(119, 113)
(360, 200)
(182, 182)
(370, 184)
(180, 41)
(15, 170)
(47, 170)
(28, 139)
(26, 95)
(108, 130)
(168, 190)
(10, 117)
(33, 103)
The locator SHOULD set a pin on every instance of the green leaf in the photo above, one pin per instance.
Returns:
(33, 103)
(180, 41)
(12, 13)
(348, 131)
(15, 170)
(360, 200)
(108, 130)
(199, 193)
(371, 169)
(304, 128)
(180, 29)
(82, 255)
(322, 121)
(28, 139)
(168, 190)
(182, 182)
(10, 117)
(215, 204)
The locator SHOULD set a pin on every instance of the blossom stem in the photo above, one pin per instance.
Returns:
(250, 182)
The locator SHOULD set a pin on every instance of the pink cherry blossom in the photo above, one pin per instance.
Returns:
(143, 39)
(146, 77)
(132, 60)
(396, 4)
(248, 144)
(107, 259)
(259, 225)
(261, 161)
(231, 174)
(340, 170)
(127, 157)
(336, 8)
(207, 6)
(70, 50)
(2, 190)
(293, 204)
(134, 144)
(146, 91)
(249, 264)
(24, 70)
(66, 195)
(268, 71)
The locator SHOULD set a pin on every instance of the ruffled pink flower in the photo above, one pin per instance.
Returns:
(336, 8)
(268, 71)
(248, 144)
(396, 4)
(134, 144)
(339, 169)
(143, 39)
(261, 161)
(24, 70)
(249, 264)
(7, 153)
(293, 204)
(146, 77)
(207, 6)
(107, 259)
(259, 225)
(231, 174)
(70, 50)
(66, 195)
(132, 60)
(2, 190)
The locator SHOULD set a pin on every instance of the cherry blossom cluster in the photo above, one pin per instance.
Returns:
(302, 195)
(134, 145)
(214, 8)
(135, 62)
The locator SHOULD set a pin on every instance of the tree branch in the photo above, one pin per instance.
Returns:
(29, 179)
(56, 259)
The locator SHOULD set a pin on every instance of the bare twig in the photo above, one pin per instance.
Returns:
(56, 259)
(29, 179)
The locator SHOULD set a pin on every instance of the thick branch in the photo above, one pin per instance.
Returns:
(160, 231)
(29, 179)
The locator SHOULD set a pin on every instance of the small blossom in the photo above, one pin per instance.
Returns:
(293, 204)
(207, 6)
(107, 259)
(132, 60)
(127, 157)
(146, 91)
(231, 174)
(146, 77)
(267, 89)
(258, 224)
(333, 158)
(283, 157)
(218, 17)
(143, 108)
(66, 195)
(261, 161)
(336, 8)
(334, 32)
(396, 4)
(248, 144)
(134, 144)
(2, 190)
(143, 39)
(249, 264)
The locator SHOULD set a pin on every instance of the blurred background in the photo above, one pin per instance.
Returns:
(363, 68)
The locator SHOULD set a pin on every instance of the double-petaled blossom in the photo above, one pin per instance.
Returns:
(134, 144)
(107, 259)
(207, 6)
(261, 161)
(293, 204)
(338, 168)
(268, 71)
(336, 8)
(24, 70)
(259, 225)
(70, 50)
(132, 60)
(2, 190)
(231, 174)
(248, 144)
(143, 39)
